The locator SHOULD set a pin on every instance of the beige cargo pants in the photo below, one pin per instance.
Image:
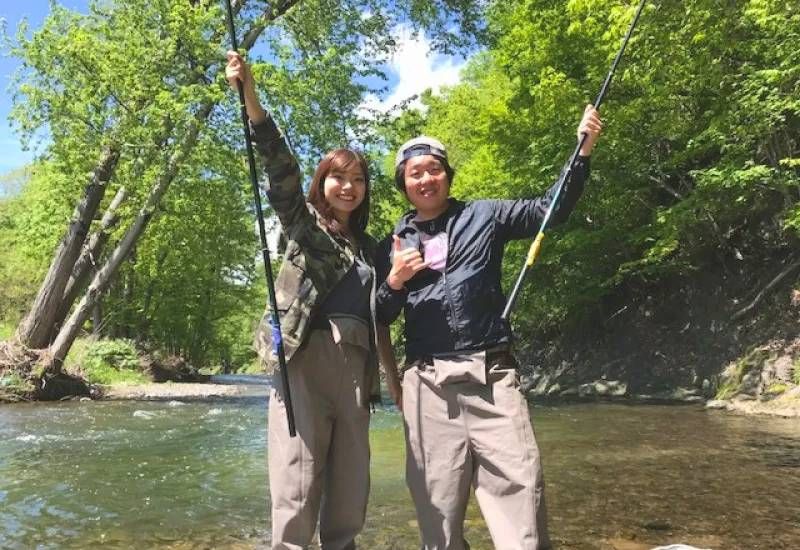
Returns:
(468, 433)
(322, 474)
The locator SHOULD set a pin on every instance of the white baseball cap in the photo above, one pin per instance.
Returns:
(421, 145)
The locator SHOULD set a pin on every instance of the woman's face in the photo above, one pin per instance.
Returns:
(344, 189)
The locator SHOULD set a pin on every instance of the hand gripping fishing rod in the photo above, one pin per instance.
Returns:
(275, 323)
(536, 246)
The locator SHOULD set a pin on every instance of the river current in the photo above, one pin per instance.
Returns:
(193, 475)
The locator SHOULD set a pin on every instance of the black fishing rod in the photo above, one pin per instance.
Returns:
(536, 246)
(275, 323)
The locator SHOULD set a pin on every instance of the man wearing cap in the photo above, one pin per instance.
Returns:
(466, 422)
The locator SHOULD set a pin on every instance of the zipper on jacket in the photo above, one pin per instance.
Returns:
(453, 324)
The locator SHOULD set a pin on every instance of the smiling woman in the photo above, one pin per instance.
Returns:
(340, 193)
(325, 290)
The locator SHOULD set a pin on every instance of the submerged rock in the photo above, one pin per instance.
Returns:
(603, 388)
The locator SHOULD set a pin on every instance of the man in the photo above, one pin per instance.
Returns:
(466, 422)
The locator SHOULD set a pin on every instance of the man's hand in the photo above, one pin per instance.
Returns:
(405, 264)
(591, 125)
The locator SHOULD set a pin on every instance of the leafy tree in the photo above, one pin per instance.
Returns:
(698, 162)
(138, 85)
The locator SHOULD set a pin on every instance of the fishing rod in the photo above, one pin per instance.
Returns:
(536, 246)
(275, 323)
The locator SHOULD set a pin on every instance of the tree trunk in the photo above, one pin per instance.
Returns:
(66, 336)
(97, 321)
(88, 259)
(146, 317)
(35, 328)
(102, 278)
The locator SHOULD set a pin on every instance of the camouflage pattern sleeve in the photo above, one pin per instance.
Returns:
(283, 175)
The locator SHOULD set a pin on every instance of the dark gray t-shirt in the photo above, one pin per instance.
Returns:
(351, 295)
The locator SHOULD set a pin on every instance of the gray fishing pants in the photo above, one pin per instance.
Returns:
(466, 433)
(322, 474)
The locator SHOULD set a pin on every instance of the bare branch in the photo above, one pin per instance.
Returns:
(760, 296)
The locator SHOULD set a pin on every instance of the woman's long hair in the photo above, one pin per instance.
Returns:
(341, 160)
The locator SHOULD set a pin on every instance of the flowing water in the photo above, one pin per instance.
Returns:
(193, 475)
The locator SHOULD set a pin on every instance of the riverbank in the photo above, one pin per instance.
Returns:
(786, 405)
(216, 387)
(684, 338)
(173, 391)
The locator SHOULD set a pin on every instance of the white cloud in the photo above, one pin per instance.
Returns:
(416, 69)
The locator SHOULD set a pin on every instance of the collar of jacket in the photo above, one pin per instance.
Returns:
(407, 229)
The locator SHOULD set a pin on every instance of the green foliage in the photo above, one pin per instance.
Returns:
(697, 163)
(106, 362)
(776, 388)
(254, 366)
(134, 76)
(796, 372)
(31, 220)
(731, 383)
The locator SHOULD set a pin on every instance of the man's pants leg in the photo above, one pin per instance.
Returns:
(463, 433)
(438, 463)
(508, 480)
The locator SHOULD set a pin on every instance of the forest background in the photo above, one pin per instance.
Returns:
(132, 230)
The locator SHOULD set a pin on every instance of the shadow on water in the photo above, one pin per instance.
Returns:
(193, 475)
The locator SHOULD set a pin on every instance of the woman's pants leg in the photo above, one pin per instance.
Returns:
(327, 464)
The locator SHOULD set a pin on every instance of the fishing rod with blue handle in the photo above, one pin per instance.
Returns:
(533, 251)
(275, 323)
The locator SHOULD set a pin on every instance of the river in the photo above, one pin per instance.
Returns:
(193, 475)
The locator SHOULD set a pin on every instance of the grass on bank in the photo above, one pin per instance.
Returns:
(106, 362)
(6, 330)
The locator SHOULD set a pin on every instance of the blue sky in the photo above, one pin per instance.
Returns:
(11, 154)
(411, 71)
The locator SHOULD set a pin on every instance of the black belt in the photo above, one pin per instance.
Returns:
(320, 322)
(498, 354)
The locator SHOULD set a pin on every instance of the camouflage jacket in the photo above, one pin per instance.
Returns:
(314, 261)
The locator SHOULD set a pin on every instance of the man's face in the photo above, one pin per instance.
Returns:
(427, 186)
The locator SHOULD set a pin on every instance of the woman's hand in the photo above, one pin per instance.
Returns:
(237, 70)
(395, 387)
(591, 125)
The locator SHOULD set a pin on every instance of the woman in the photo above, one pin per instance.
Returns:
(325, 291)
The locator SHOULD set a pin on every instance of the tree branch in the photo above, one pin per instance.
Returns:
(760, 296)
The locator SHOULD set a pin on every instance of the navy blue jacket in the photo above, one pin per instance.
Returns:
(459, 310)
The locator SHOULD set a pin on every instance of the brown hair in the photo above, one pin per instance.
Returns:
(340, 159)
